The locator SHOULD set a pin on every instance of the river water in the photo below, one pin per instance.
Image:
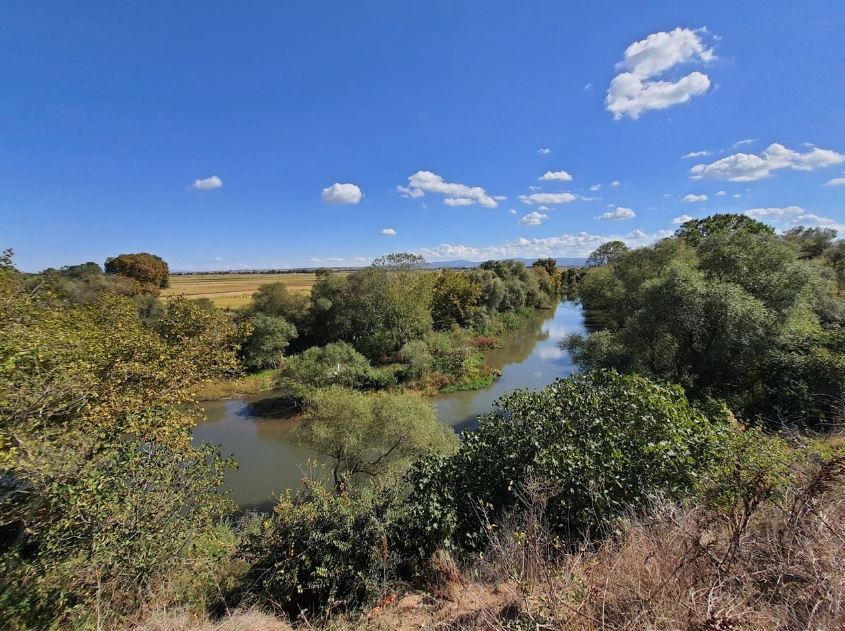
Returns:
(270, 462)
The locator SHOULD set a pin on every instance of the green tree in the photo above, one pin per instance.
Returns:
(274, 299)
(454, 297)
(695, 230)
(337, 363)
(265, 346)
(606, 253)
(370, 436)
(102, 495)
(811, 243)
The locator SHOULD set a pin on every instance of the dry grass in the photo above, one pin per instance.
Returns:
(236, 621)
(231, 291)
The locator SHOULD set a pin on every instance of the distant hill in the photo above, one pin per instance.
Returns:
(561, 262)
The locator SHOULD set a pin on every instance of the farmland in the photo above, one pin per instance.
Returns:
(233, 291)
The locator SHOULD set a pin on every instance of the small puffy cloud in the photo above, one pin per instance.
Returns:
(682, 219)
(619, 213)
(559, 176)
(638, 88)
(837, 181)
(512, 211)
(695, 154)
(388, 232)
(207, 184)
(455, 194)
(342, 194)
(595, 187)
(218, 259)
(775, 213)
(615, 183)
(587, 86)
(694, 199)
(736, 195)
(533, 218)
(720, 193)
(544, 151)
(748, 167)
(547, 198)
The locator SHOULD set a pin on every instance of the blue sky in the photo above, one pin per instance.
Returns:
(231, 135)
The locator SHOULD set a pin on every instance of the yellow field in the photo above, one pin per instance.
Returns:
(233, 291)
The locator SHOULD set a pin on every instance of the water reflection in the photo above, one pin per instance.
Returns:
(256, 429)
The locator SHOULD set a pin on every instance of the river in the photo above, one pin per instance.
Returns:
(269, 461)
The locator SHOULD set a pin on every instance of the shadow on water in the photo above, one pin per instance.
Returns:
(256, 429)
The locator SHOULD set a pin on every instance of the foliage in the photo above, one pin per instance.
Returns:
(274, 299)
(727, 309)
(148, 269)
(606, 253)
(604, 442)
(337, 363)
(811, 243)
(370, 436)
(102, 493)
(454, 296)
(319, 551)
(265, 346)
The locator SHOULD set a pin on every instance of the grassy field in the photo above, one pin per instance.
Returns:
(233, 291)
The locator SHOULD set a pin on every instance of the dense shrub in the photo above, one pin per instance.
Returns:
(605, 443)
(265, 345)
(319, 551)
(337, 363)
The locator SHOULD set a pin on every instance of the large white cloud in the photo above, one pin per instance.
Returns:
(574, 244)
(207, 184)
(533, 218)
(637, 89)
(619, 213)
(342, 194)
(747, 167)
(560, 176)
(455, 194)
(682, 219)
(547, 198)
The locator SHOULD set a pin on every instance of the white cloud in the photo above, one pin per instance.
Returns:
(791, 216)
(694, 199)
(512, 211)
(720, 193)
(533, 218)
(547, 198)
(837, 181)
(637, 89)
(544, 151)
(207, 184)
(618, 214)
(736, 195)
(455, 194)
(388, 232)
(775, 213)
(572, 244)
(218, 259)
(561, 176)
(747, 167)
(746, 141)
(339, 193)
(588, 86)
(695, 154)
(595, 187)
(682, 219)
(615, 183)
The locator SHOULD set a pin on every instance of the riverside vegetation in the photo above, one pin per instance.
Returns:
(689, 477)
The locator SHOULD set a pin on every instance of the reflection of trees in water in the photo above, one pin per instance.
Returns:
(520, 343)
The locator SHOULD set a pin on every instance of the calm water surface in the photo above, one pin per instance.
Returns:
(269, 461)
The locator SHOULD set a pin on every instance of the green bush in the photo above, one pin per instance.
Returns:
(319, 551)
(420, 361)
(604, 442)
(337, 363)
(266, 344)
